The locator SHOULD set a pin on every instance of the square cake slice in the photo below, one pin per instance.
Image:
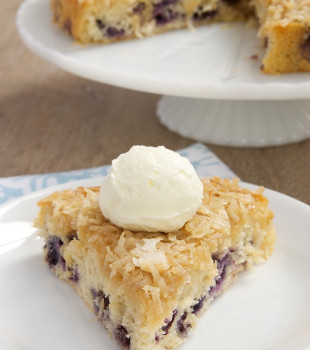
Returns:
(148, 289)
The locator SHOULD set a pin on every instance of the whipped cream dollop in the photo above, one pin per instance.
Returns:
(150, 189)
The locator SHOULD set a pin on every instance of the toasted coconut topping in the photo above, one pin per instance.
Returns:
(154, 265)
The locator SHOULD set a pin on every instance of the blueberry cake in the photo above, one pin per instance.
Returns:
(285, 29)
(284, 24)
(148, 289)
(108, 21)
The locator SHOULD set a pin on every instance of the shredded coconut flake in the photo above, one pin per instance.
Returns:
(148, 256)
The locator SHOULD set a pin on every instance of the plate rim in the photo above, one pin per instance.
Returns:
(96, 180)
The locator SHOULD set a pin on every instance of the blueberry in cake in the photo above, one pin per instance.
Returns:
(109, 21)
(284, 24)
(149, 288)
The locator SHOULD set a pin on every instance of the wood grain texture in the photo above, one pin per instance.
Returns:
(53, 121)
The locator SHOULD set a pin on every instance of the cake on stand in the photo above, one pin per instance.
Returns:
(213, 89)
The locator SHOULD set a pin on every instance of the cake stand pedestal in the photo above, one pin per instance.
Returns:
(236, 123)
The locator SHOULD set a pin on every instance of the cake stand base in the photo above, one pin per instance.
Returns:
(236, 123)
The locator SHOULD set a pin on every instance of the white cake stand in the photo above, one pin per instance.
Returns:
(214, 89)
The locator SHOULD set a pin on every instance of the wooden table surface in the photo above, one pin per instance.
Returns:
(53, 121)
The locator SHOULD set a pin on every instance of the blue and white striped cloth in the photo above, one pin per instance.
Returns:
(203, 160)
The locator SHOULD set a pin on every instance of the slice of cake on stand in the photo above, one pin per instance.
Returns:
(151, 249)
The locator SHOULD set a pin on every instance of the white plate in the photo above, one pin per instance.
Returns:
(266, 309)
(212, 62)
